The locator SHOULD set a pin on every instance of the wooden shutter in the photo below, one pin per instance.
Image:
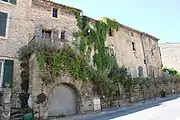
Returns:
(55, 35)
(3, 22)
(13, 1)
(8, 73)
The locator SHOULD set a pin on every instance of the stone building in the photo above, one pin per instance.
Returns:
(138, 51)
(22, 21)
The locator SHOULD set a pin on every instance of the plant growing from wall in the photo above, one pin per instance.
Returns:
(41, 98)
(24, 55)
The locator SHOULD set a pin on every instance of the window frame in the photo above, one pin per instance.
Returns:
(1, 73)
(8, 2)
(52, 13)
(133, 46)
(64, 35)
(152, 52)
(140, 71)
(7, 24)
(111, 32)
(46, 31)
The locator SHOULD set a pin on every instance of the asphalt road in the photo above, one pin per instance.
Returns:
(160, 109)
(165, 111)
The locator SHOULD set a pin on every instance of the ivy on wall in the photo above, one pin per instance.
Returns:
(105, 74)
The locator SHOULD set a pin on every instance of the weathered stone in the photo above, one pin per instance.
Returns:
(28, 18)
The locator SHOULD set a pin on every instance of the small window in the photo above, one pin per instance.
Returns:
(63, 34)
(140, 71)
(152, 52)
(3, 24)
(144, 61)
(46, 34)
(55, 13)
(132, 34)
(111, 32)
(133, 46)
(10, 1)
(149, 40)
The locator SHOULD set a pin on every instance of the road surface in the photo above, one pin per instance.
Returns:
(165, 111)
(160, 109)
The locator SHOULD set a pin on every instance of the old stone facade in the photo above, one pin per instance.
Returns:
(137, 51)
(29, 19)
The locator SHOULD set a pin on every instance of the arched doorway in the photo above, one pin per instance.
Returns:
(62, 100)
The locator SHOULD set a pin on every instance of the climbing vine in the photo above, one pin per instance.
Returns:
(64, 60)
(91, 35)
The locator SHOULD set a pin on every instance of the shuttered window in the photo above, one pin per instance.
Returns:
(3, 23)
(55, 35)
(8, 73)
(10, 1)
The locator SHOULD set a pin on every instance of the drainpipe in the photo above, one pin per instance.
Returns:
(144, 53)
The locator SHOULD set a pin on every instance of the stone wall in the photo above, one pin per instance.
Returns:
(153, 53)
(122, 44)
(132, 59)
(147, 93)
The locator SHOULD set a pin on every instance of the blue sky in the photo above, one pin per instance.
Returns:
(160, 18)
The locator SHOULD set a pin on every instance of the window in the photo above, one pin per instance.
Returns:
(149, 41)
(10, 1)
(63, 34)
(140, 71)
(111, 32)
(46, 34)
(144, 61)
(133, 46)
(8, 73)
(55, 13)
(152, 52)
(132, 34)
(151, 71)
(3, 24)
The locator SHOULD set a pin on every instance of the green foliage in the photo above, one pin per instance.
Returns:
(171, 71)
(65, 60)
(41, 60)
(107, 75)
(41, 98)
(61, 115)
(24, 99)
(24, 81)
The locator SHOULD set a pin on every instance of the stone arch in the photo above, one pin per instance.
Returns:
(72, 87)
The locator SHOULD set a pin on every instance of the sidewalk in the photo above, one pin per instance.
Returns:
(110, 113)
